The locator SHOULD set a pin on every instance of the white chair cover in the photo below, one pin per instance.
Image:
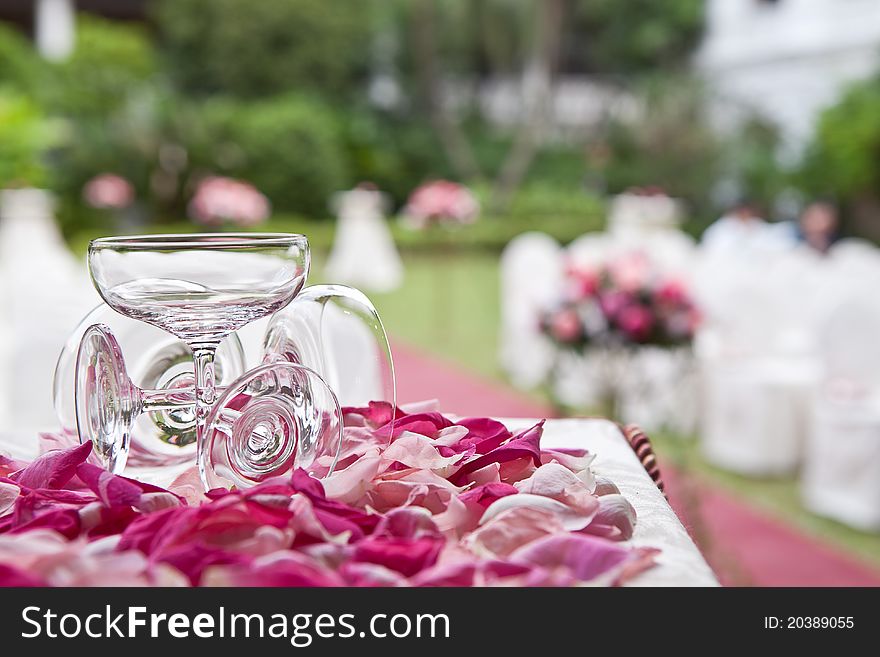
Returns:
(46, 292)
(531, 277)
(757, 361)
(841, 475)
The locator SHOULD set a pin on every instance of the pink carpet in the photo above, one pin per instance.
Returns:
(744, 546)
(421, 377)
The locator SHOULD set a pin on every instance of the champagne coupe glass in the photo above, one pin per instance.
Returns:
(158, 362)
(199, 288)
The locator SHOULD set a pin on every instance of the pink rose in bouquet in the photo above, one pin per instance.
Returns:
(219, 200)
(636, 321)
(108, 191)
(612, 302)
(566, 326)
(672, 291)
(582, 282)
(630, 272)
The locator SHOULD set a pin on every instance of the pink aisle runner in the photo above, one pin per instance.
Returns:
(743, 545)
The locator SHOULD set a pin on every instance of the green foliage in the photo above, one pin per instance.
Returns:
(110, 64)
(668, 143)
(253, 48)
(25, 135)
(608, 37)
(21, 68)
(289, 147)
(636, 36)
(751, 158)
(396, 153)
(844, 159)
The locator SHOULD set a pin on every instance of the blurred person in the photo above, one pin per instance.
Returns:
(818, 226)
(740, 230)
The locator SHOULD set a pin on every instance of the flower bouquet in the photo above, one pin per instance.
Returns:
(441, 202)
(614, 310)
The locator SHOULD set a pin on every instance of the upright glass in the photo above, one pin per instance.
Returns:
(198, 288)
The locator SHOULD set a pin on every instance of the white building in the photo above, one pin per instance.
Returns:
(786, 60)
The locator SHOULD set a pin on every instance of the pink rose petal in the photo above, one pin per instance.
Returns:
(586, 558)
(53, 469)
(511, 530)
(616, 518)
(572, 519)
(526, 445)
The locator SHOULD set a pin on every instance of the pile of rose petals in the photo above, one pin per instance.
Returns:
(423, 501)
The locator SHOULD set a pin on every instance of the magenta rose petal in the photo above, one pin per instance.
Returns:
(53, 469)
(525, 444)
(406, 556)
(9, 465)
(426, 424)
(11, 576)
(375, 414)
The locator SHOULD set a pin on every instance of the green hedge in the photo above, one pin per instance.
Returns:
(289, 147)
(258, 48)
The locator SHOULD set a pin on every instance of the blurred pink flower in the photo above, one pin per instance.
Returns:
(614, 301)
(566, 326)
(672, 291)
(630, 272)
(636, 321)
(108, 191)
(443, 201)
(218, 200)
(584, 282)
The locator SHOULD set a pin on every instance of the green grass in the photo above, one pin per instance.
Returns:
(448, 305)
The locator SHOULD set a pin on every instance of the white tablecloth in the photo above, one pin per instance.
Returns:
(679, 562)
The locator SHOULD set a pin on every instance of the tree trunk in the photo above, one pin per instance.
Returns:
(537, 88)
(453, 140)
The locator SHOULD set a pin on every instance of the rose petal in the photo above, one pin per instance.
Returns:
(512, 529)
(572, 519)
(586, 558)
(406, 556)
(415, 451)
(558, 482)
(616, 518)
(9, 493)
(526, 445)
(350, 485)
(53, 469)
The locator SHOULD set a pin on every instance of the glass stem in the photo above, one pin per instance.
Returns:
(181, 399)
(203, 359)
